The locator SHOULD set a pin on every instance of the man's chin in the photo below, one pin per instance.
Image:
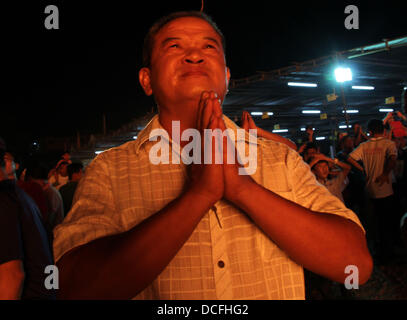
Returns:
(195, 93)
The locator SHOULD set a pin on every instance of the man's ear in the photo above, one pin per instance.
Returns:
(144, 77)
(228, 75)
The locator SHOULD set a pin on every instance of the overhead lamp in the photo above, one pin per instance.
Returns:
(280, 130)
(345, 126)
(350, 111)
(303, 129)
(311, 111)
(320, 138)
(343, 74)
(302, 84)
(134, 137)
(100, 151)
(363, 87)
(386, 110)
(258, 113)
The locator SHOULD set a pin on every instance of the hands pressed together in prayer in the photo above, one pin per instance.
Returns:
(221, 178)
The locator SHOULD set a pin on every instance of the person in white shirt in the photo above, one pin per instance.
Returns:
(378, 156)
(60, 176)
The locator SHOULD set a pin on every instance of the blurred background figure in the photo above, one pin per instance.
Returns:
(75, 172)
(378, 156)
(25, 250)
(319, 164)
(359, 135)
(309, 150)
(37, 173)
(60, 175)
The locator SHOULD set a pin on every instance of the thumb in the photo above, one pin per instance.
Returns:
(245, 123)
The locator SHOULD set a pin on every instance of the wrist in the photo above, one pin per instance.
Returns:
(245, 191)
(197, 194)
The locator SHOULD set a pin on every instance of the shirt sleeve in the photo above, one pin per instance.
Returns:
(10, 233)
(311, 194)
(356, 154)
(92, 213)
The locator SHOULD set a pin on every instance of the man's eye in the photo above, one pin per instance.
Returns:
(209, 46)
(175, 45)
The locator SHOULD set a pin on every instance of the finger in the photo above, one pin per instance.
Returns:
(217, 107)
(245, 123)
(252, 124)
(202, 102)
(206, 114)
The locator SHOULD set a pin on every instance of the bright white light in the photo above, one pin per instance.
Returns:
(257, 113)
(280, 130)
(343, 74)
(311, 111)
(320, 138)
(363, 87)
(386, 110)
(302, 84)
(345, 126)
(97, 152)
(350, 111)
(35, 143)
(134, 137)
(303, 129)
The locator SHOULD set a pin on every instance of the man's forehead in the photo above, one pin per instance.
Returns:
(187, 26)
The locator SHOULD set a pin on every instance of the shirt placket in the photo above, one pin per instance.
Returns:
(220, 261)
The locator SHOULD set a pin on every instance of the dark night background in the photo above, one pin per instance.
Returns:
(56, 82)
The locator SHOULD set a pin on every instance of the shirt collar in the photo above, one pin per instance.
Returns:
(144, 135)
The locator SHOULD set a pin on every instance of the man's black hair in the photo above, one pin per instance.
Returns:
(74, 167)
(160, 23)
(375, 126)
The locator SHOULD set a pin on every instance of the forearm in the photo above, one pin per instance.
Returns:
(390, 165)
(344, 166)
(11, 280)
(355, 164)
(121, 266)
(323, 243)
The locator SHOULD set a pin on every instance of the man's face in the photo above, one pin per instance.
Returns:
(321, 170)
(187, 59)
(63, 170)
(10, 166)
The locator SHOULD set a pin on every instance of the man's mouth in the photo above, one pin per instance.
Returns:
(194, 73)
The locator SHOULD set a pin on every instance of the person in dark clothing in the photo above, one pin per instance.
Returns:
(25, 251)
(67, 191)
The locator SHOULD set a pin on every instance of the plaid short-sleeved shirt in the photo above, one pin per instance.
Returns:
(122, 187)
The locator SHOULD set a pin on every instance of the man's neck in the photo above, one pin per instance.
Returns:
(187, 120)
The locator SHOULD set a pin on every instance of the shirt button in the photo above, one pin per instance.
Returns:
(221, 264)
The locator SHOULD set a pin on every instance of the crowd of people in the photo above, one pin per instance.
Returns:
(164, 232)
(369, 174)
(33, 201)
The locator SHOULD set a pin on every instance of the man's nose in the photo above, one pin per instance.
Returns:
(194, 56)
